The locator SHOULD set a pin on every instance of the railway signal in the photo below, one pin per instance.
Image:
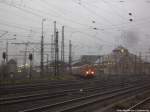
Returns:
(26, 47)
(130, 14)
(70, 56)
(30, 58)
(4, 55)
(131, 20)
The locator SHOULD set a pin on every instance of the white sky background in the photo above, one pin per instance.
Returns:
(23, 18)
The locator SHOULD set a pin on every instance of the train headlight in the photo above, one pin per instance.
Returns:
(92, 72)
(87, 72)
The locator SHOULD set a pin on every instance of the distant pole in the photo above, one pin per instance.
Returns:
(62, 45)
(70, 56)
(30, 69)
(25, 58)
(33, 57)
(30, 59)
(7, 51)
(25, 54)
(54, 33)
(55, 59)
(146, 59)
(56, 55)
(140, 63)
(62, 50)
(52, 48)
(47, 62)
(135, 63)
(42, 50)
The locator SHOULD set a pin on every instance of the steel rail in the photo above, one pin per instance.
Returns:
(23, 98)
(103, 96)
(36, 87)
(139, 103)
(86, 104)
(32, 97)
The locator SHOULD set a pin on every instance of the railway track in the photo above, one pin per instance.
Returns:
(48, 87)
(36, 86)
(142, 105)
(120, 104)
(45, 95)
(12, 102)
(33, 89)
(74, 93)
(17, 103)
(16, 89)
(79, 103)
(7, 101)
(13, 89)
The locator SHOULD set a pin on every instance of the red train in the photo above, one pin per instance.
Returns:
(86, 71)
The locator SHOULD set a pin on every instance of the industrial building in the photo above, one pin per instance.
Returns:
(119, 61)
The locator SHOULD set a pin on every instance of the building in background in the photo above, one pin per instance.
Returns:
(119, 61)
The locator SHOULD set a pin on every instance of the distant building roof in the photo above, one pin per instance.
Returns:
(12, 61)
(120, 49)
(89, 59)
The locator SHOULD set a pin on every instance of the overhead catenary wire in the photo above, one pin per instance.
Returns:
(118, 26)
(42, 16)
(41, 12)
(60, 12)
(71, 21)
(17, 14)
(110, 28)
(86, 6)
(124, 23)
(114, 9)
(38, 15)
(122, 18)
(20, 8)
(89, 35)
(14, 26)
(64, 14)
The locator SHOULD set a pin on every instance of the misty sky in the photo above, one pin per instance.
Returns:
(94, 26)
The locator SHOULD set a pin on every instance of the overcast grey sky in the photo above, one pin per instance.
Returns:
(94, 26)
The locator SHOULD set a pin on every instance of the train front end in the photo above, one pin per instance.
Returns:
(89, 72)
